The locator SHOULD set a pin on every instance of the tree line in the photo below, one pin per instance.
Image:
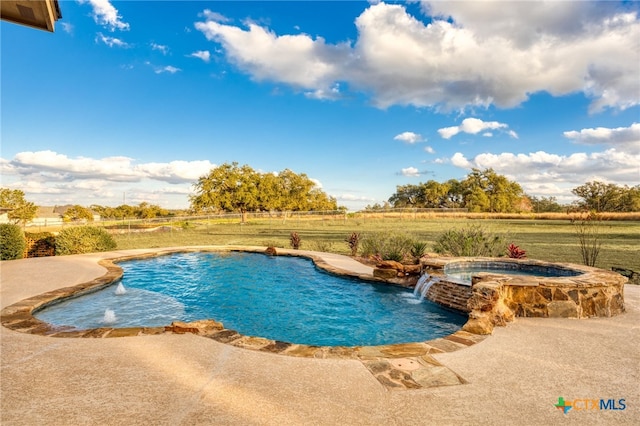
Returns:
(488, 191)
(235, 188)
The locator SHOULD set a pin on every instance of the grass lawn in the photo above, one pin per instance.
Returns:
(549, 240)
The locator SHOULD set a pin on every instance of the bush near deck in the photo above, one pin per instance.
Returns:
(12, 242)
(83, 239)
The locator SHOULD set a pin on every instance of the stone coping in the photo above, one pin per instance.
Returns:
(588, 277)
(396, 366)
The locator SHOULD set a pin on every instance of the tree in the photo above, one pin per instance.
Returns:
(148, 211)
(377, 206)
(602, 197)
(455, 194)
(435, 194)
(20, 210)
(500, 194)
(545, 204)
(228, 187)
(480, 191)
(76, 213)
(477, 200)
(319, 200)
(407, 196)
(631, 199)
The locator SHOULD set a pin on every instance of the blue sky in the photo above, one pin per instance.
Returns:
(134, 100)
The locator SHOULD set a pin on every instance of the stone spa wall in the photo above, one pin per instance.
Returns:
(450, 295)
(494, 299)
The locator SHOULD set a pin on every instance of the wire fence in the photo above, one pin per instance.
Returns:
(130, 225)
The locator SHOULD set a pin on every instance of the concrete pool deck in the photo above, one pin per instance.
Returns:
(513, 377)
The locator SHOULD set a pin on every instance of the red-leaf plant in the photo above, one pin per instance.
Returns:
(515, 252)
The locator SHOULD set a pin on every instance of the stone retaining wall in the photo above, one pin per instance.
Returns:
(562, 301)
(450, 295)
(495, 299)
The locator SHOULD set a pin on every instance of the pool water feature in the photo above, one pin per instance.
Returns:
(276, 297)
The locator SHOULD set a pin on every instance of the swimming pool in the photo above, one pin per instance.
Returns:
(277, 297)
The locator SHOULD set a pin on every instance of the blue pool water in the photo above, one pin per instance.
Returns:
(276, 297)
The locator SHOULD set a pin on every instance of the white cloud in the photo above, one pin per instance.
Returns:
(49, 178)
(111, 41)
(67, 27)
(214, 16)
(539, 170)
(160, 47)
(480, 54)
(106, 15)
(351, 198)
(325, 94)
(297, 60)
(176, 171)
(410, 172)
(408, 137)
(205, 55)
(429, 150)
(170, 69)
(62, 168)
(623, 138)
(474, 126)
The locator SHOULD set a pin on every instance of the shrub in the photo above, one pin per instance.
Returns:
(589, 230)
(387, 246)
(12, 242)
(515, 252)
(418, 249)
(353, 241)
(295, 240)
(272, 243)
(471, 241)
(83, 239)
(322, 246)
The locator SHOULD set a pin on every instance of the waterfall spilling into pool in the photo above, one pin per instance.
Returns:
(423, 285)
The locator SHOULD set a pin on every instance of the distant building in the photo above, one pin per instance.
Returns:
(47, 216)
(40, 14)
(52, 216)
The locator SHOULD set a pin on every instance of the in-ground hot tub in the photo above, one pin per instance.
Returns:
(465, 271)
(503, 288)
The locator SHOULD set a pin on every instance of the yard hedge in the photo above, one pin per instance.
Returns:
(83, 239)
(12, 242)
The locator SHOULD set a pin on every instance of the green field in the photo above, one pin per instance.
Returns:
(549, 240)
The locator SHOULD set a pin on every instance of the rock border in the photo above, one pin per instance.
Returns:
(497, 298)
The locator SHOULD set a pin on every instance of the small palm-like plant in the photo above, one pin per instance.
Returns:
(353, 241)
(418, 249)
(295, 240)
